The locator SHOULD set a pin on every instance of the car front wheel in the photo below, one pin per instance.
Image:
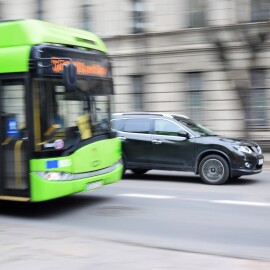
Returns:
(214, 170)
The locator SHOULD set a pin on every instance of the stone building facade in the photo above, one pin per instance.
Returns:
(207, 59)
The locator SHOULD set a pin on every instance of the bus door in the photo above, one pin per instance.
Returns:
(14, 168)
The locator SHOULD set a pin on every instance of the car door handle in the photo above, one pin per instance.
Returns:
(157, 142)
(122, 138)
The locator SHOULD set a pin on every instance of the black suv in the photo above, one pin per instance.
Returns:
(174, 142)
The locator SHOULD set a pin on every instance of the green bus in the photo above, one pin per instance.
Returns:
(55, 90)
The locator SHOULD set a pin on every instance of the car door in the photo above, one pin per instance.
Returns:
(169, 149)
(136, 142)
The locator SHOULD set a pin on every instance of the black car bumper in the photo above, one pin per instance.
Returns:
(247, 165)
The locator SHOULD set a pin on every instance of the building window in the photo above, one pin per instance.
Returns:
(137, 83)
(195, 96)
(1, 11)
(40, 10)
(258, 98)
(260, 10)
(138, 10)
(86, 18)
(197, 13)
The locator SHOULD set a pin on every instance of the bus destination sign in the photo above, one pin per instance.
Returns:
(87, 63)
(90, 68)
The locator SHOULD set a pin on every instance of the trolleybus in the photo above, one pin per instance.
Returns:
(55, 135)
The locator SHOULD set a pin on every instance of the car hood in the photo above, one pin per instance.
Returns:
(232, 141)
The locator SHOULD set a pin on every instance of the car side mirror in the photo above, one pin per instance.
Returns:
(183, 133)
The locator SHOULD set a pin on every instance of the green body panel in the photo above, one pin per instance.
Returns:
(42, 190)
(14, 59)
(92, 157)
(17, 38)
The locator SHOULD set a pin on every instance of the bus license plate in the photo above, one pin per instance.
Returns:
(94, 185)
(260, 162)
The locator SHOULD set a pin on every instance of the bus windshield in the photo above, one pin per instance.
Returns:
(67, 118)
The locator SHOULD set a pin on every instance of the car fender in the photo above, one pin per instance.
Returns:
(207, 152)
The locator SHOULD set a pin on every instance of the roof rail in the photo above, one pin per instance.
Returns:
(152, 113)
(144, 113)
(181, 115)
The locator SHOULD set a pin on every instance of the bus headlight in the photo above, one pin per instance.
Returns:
(55, 176)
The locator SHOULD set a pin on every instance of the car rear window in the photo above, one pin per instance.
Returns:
(137, 126)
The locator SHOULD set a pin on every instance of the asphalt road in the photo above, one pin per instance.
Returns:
(162, 211)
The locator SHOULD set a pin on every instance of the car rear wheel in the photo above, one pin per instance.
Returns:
(214, 170)
(139, 171)
(124, 166)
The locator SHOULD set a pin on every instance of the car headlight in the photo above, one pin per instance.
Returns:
(243, 148)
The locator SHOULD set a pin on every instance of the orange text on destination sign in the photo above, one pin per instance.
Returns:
(82, 68)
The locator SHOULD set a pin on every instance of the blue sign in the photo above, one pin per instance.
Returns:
(12, 127)
(52, 164)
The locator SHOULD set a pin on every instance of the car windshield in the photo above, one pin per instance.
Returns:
(195, 127)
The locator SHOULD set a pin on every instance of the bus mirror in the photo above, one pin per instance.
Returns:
(70, 77)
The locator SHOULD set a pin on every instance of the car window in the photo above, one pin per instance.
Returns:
(164, 127)
(137, 125)
(199, 129)
(116, 124)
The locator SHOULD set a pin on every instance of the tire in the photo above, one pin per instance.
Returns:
(139, 171)
(235, 177)
(124, 166)
(214, 170)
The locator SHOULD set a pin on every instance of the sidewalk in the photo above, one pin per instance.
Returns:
(34, 248)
